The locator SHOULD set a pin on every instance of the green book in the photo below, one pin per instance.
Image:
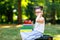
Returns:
(27, 26)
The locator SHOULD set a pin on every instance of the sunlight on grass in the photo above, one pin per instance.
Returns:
(57, 37)
(10, 26)
(19, 25)
(5, 26)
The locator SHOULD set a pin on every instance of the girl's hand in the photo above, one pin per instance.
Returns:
(38, 17)
(41, 20)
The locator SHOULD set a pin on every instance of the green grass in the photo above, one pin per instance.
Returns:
(9, 34)
(52, 30)
(14, 33)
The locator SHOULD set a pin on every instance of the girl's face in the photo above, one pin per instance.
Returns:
(38, 12)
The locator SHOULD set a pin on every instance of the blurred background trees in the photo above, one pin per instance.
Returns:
(16, 11)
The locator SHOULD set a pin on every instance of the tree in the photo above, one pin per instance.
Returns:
(6, 10)
(53, 12)
(19, 12)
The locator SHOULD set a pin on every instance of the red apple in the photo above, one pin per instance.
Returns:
(26, 22)
(29, 22)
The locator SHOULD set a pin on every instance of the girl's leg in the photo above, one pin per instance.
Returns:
(33, 35)
(24, 35)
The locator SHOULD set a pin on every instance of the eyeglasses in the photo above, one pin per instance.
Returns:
(37, 12)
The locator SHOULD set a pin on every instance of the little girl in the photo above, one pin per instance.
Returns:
(39, 25)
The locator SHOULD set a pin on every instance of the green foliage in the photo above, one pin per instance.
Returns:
(52, 8)
(29, 11)
(6, 9)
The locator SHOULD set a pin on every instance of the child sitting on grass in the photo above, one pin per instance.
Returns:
(39, 25)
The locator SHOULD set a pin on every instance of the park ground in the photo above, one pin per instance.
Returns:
(12, 31)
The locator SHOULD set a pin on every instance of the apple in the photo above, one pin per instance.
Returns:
(26, 22)
(29, 22)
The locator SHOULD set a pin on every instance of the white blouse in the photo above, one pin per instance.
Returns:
(39, 26)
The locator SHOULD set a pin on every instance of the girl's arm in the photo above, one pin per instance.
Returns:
(40, 21)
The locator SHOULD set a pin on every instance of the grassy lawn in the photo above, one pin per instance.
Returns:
(9, 34)
(14, 34)
(53, 30)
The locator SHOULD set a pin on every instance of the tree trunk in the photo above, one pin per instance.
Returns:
(19, 12)
(9, 15)
(53, 12)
